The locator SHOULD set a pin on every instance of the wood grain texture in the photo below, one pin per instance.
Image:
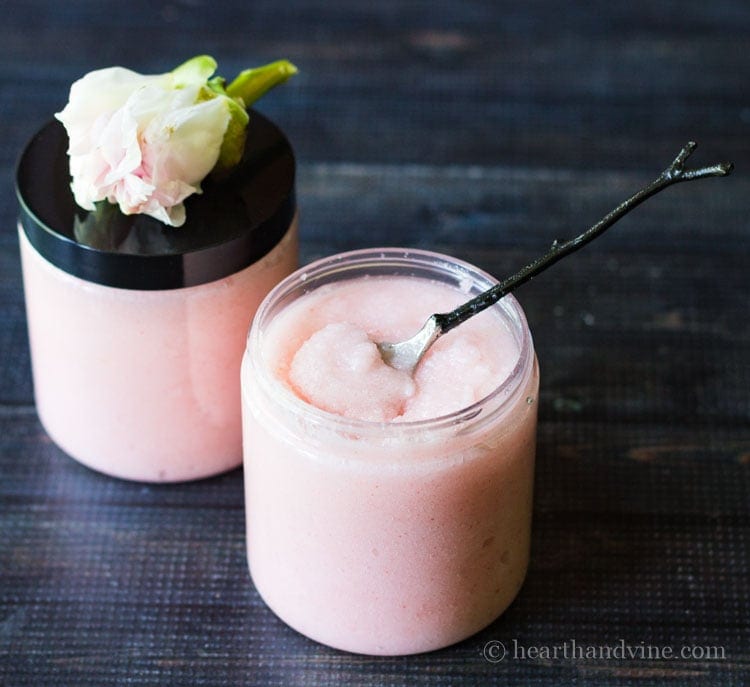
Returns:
(484, 130)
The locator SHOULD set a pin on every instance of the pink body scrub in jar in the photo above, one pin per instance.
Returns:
(136, 328)
(387, 514)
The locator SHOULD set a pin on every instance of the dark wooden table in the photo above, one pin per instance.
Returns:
(485, 130)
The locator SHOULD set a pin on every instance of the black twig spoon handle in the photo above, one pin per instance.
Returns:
(407, 354)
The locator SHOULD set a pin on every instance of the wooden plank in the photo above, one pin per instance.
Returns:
(481, 85)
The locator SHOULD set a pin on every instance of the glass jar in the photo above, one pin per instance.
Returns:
(137, 330)
(388, 538)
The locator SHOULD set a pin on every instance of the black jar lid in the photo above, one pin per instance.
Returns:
(232, 224)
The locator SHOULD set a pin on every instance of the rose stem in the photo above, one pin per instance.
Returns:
(252, 84)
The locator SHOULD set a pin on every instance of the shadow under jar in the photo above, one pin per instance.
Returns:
(391, 537)
(137, 329)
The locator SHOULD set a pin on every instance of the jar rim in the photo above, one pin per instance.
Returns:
(500, 398)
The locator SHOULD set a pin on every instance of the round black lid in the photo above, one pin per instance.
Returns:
(232, 224)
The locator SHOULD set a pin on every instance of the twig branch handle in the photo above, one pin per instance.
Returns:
(675, 173)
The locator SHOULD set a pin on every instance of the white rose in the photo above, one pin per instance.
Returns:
(144, 142)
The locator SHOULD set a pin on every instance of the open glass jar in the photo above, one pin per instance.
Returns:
(387, 537)
(137, 329)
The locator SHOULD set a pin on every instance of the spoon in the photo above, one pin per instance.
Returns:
(406, 355)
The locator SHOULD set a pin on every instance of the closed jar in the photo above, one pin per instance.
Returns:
(137, 330)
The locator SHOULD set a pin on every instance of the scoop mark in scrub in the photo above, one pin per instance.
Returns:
(339, 369)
